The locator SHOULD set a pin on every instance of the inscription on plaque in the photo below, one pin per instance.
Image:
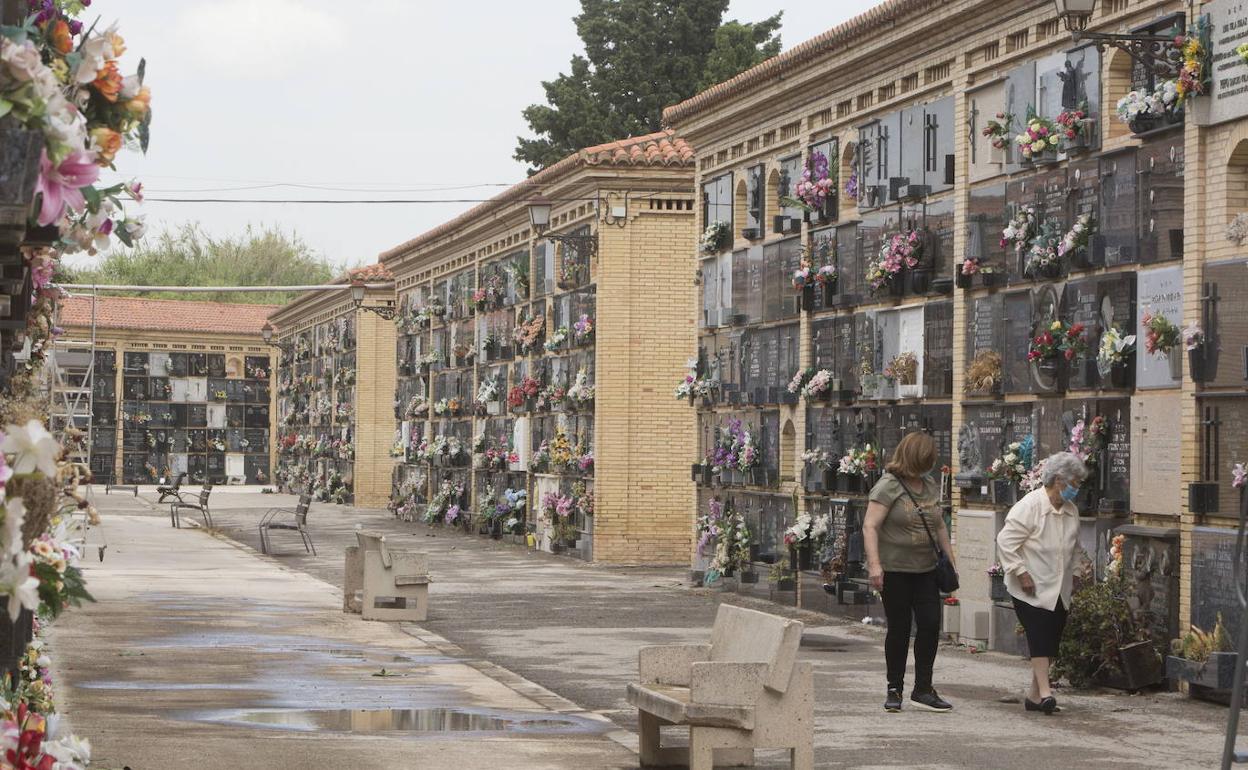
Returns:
(1156, 443)
(1228, 94)
(1119, 226)
(938, 343)
(1213, 578)
(1018, 332)
(1160, 293)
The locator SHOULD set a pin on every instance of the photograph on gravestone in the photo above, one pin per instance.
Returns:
(1084, 180)
(938, 223)
(1116, 299)
(1224, 423)
(1160, 162)
(1017, 339)
(846, 354)
(775, 290)
(938, 349)
(1119, 207)
(823, 252)
(1224, 297)
(788, 262)
(985, 348)
(1082, 306)
(1156, 447)
(1213, 590)
(851, 286)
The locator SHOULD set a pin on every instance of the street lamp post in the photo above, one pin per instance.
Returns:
(358, 288)
(1157, 53)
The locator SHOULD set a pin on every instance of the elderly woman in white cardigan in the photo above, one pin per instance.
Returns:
(1037, 548)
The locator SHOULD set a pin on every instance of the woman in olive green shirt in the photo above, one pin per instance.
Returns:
(901, 563)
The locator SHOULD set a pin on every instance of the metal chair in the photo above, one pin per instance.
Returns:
(299, 524)
(201, 506)
(172, 490)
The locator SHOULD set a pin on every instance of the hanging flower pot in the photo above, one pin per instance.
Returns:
(991, 279)
(962, 280)
(802, 556)
(1196, 364)
(997, 590)
(897, 286)
(749, 576)
(920, 280)
(808, 298)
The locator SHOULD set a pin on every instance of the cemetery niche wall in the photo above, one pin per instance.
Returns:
(177, 387)
(334, 385)
(1006, 267)
(533, 399)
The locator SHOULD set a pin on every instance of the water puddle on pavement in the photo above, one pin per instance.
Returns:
(417, 721)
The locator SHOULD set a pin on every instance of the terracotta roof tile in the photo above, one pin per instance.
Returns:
(834, 39)
(369, 273)
(660, 149)
(165, 315)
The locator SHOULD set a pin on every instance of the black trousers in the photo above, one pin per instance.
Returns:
(911, 596)
(1043, 627)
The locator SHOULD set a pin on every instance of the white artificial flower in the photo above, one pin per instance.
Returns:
(17, 582)
(130, 86)
(70, 752)
(32, 447)
(21, 59)
(95, 52)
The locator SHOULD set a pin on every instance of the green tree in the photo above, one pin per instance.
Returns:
(190, 257)
(640, 56)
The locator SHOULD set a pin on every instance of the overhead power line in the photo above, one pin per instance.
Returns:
(334, 201)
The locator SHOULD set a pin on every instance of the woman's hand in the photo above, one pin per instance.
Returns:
(875, 574)
(1029, 585)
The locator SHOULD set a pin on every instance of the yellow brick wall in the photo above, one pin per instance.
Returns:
(374, 408)
(645, 439)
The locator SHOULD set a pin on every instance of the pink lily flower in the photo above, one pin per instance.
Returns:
(62, 185)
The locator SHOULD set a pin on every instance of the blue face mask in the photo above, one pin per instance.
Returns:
(1069, 493)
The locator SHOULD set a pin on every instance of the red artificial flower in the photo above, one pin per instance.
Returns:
(1070, 354)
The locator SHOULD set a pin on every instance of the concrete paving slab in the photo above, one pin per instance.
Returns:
(565, 635)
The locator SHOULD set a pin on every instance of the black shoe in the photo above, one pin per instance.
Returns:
(892, 701)
(1047, 705)
(930, 700)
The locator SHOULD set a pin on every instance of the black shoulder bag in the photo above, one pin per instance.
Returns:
(946, 575)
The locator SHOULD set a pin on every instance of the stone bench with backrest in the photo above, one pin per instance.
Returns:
(745, 690)
(395, 584)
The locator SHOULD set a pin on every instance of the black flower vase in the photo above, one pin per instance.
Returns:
(1197, 364)
(808, 298)
(897, 286)
(1122, 375)
(962, 280)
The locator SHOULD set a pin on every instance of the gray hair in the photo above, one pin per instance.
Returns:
(1063, 465)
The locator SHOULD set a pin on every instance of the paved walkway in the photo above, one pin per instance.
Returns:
(510, 630)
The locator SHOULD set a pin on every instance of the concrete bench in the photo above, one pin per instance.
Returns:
(745, 690)
(395, 583)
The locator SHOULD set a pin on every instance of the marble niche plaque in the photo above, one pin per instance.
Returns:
(1116, 301)
(1161, 198)
(910, 329)
(1228, 93)
(1151, 565)
(985, 332)
(1119, 225)
(983, 105)
(1020, 94)
(975, 543)
(1046, 306)
(1018, 333)
(1226, 323)
(938, 349)
(1159, 292)
(1083, 306)
(985, 219)
(823, 343)
(979, 443)
(1116, 463)
(845, 357)
(1224, 423)
(1213, 578)
(851, 283)
(1156, 444)
(1084, 178)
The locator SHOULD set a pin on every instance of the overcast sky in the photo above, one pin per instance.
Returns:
(384, 98)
